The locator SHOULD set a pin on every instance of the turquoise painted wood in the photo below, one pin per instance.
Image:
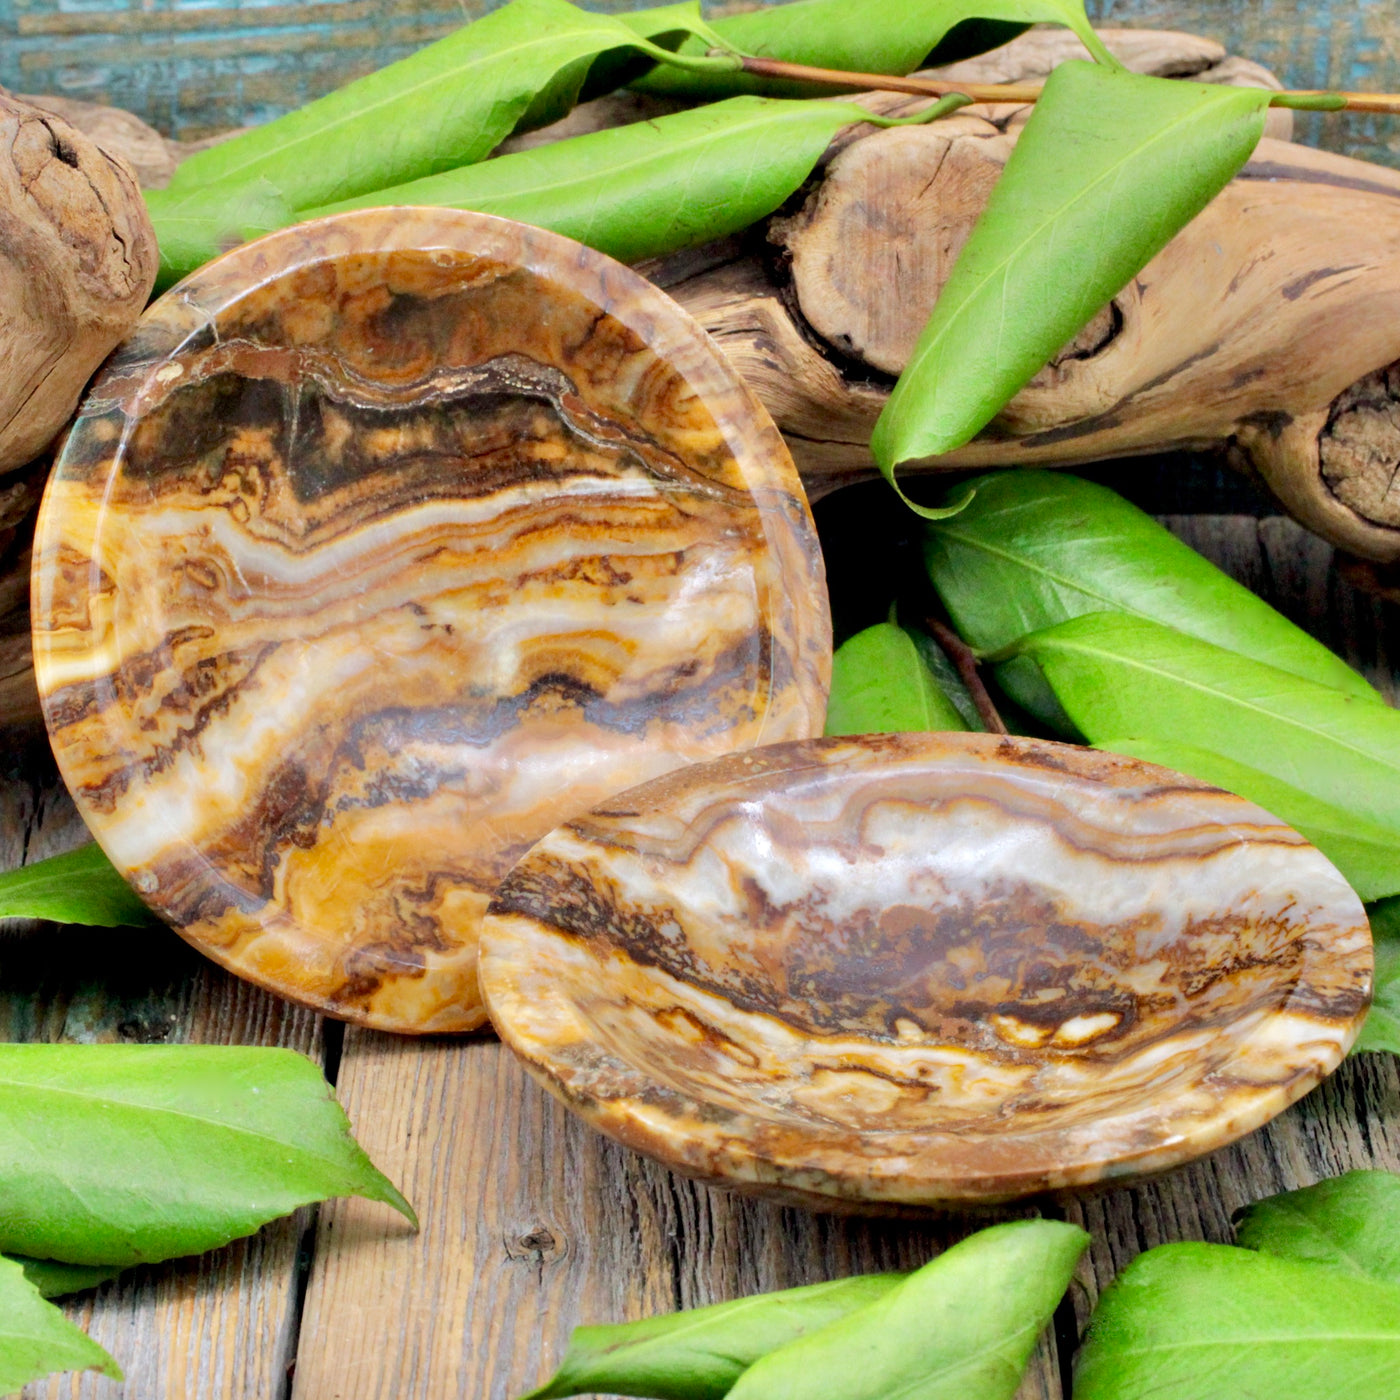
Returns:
(196, 66)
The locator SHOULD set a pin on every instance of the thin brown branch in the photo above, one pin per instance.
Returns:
(1005, 92)
(960, 654)
(883, 82)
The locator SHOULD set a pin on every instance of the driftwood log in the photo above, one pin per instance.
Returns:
(77, 262)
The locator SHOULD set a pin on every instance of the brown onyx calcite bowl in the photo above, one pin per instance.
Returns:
(909, 970)
(385, 544)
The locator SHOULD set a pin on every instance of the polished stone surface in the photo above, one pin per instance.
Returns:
(384, 545)
(904, 970)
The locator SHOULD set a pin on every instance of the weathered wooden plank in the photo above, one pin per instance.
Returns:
(533, 1223)
(222, 1327)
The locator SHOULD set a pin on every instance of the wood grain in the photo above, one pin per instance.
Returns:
(536, 1224)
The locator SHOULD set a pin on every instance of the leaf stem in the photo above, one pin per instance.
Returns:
(961, 655)
(1307, 99)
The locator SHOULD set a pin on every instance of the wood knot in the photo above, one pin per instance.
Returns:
(538, 1245)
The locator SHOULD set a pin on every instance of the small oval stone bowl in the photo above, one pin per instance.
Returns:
(917, 970)
(383, 545)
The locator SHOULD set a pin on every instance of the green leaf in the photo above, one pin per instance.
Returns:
(895, 36)
(632, 192)
(1109, 167)
(1033, 548)
(1381, 1029)
(961, 1328)
(1121, 677)
(1351, 1222)
(1366, 853)
(880, 685)
(37, 1340)
(55, 1280)
(1211, 1322)
(700, 1353)
(449, 104)
(651, 187)
(194, 227)
(79, 887)
(126, 1154)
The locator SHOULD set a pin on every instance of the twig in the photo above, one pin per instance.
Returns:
(960, 654)
(1029, 92)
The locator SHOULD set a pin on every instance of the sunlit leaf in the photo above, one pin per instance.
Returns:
(1381, 1030)
(1349, 1222)
(1035, 548)
(123, 1154)
(1109, 167)
(37, 1340)
(78, 887)
(880, 685)
(1212, 1322)
(1122, 678)
(632, 192)
(700, 1353)
(961, 1328)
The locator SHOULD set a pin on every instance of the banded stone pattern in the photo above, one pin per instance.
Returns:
(896, 971)
(383, 545)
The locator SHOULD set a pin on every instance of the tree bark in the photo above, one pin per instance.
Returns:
(77, 262)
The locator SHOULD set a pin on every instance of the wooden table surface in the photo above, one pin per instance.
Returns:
(531, 1222)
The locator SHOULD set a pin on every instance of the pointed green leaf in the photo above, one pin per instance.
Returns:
(651, 187)
(1212, 1322)
(961, 1328)
(1120, 676)
(55, 1280)
(124, 1154)
(895, 36)
(1351, 1222)
(632, 192)
(78, 887)
(880, 685)
(449, 104)
(1034, 548)
(700, 1353)
(1366, 853)
(37, 1340)
(1381, 1030)
(1109, 167)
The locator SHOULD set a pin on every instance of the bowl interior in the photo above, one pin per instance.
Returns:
(874, 944)
(384, 545)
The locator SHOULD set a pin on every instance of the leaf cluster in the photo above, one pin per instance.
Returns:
(1109, 167)
(114, 1155)
(1306, 1307)
(1308, 1310)
(960, 1328)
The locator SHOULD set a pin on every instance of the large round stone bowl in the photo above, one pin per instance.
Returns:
(386, 543)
